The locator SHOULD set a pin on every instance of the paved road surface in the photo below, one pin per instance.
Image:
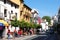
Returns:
(20, 38)
(54, 36)
(48, 37)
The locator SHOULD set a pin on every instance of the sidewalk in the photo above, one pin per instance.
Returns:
(26, 37)
(22, 38)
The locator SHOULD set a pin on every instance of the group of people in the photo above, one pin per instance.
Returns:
(15, 33)
(20, 32)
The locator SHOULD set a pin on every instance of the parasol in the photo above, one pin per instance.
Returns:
(4, 22)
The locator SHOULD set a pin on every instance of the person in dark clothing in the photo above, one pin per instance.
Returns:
(2, 27)
(1, 31)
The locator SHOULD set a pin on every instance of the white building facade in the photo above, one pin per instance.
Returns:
(44, 25)
(35, 15)
(8, 9)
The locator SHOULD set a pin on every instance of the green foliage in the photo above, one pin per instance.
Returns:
(48, 18)
(15, 23)
(23, 24)
(39, 26)
(33, 25)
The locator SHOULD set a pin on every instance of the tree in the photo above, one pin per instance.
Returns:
(48, 18)
(23, 24)
(15, 23)
(38, 26)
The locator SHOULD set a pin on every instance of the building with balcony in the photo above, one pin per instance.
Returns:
(25, 14)
(20, 3)
(24, 10)
(34, 15)
(8, 10)
(21, 8)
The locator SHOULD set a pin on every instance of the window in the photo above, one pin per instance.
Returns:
(11, 4)
(16, 6)
(4, 1)
(5, 12)
(11, 12)
(26, 17)
(16, 15)
(21, 13)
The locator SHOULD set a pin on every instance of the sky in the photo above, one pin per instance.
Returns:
(44, 7)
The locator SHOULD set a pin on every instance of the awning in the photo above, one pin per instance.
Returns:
(4, 22)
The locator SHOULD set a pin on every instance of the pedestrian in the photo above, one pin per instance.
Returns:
(15, 33)
(1, 31)
(8, 33)
(30, 31)
(24, 31)
(20, 32)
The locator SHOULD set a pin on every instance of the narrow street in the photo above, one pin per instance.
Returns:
(29, 19)
(54, 36)
(48, 37)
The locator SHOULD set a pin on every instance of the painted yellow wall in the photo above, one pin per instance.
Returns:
(26, 11)
(22, 8)
(18, 3)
